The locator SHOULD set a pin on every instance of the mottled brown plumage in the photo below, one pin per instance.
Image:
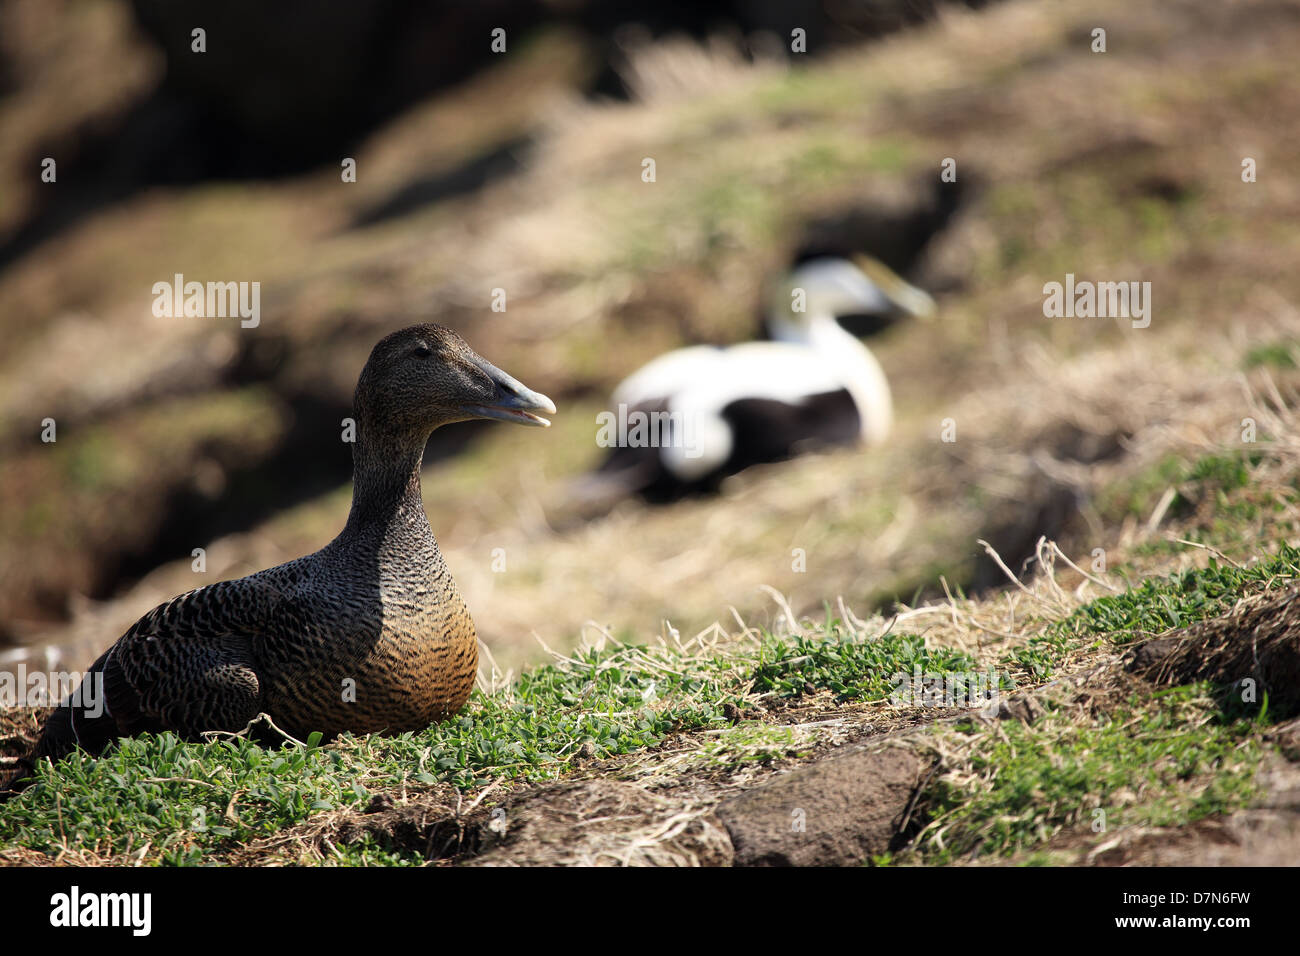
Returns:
(368, 634)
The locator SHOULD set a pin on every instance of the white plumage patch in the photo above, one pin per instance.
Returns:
(702, 381)
(812, 357)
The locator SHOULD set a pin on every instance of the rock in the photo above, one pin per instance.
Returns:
(837, 812)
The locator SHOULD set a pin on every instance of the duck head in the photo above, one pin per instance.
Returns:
(830, 287)
(426, 376)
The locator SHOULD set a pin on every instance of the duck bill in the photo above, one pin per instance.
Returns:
(514, 401)
(902, 295)
(914, 302)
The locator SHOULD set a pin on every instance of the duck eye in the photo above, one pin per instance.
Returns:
(423, 351)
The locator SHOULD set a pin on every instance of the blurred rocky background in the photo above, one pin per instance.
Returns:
(521, 170)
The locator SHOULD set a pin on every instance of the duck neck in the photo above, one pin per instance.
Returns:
(781, 329)
(858, 369)
(386, 496)
(825, 333)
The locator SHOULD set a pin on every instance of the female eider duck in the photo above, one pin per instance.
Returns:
(368, 634)
(729, 408)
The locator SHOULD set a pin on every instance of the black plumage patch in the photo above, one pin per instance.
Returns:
(763, 430)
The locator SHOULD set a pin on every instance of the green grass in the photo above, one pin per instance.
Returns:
(1152, 607)
(853, 670)
(179, 803)
(1159, 604)
(155, 787)
(1218, 475)
(1040, 656)
(1275, 354)
(1227, 472)
(188, 800)
(751, 742)
(174, 797)
(1162, 761)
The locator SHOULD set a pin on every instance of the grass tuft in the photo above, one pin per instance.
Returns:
(1157, 762)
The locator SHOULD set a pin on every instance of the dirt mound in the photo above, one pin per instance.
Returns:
(602, 823)
(836, 812)
(590, 822)
(1254, 650)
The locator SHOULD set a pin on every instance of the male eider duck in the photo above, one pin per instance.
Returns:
(728, 408)
(368, 634)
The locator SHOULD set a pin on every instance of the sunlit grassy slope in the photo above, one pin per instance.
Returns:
(1102, 165)
(1163, 460)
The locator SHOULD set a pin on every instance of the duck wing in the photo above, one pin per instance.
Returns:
(190, 665)
(670, 373)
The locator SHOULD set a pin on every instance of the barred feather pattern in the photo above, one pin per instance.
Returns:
(368, 634)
